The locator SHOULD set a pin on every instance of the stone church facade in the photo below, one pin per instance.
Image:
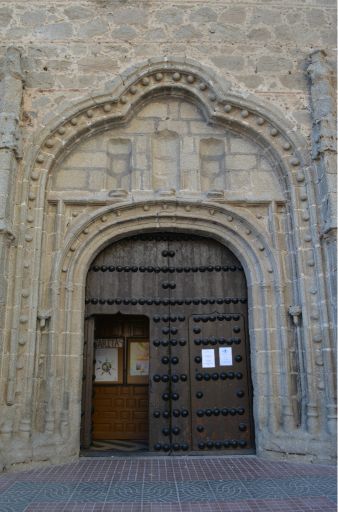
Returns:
(123, 119)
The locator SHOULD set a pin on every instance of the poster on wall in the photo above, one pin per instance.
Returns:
(107, 365)
(138, 361)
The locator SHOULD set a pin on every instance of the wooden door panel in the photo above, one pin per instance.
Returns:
(221, 416)
(122, 413)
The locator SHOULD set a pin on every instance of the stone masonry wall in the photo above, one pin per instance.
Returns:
(70, 49)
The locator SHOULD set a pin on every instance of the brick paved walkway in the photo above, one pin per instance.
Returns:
(158, 484)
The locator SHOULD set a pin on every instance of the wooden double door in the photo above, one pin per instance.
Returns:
(191, 293)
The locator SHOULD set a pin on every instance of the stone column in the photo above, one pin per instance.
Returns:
(324, 146)
(11, 90)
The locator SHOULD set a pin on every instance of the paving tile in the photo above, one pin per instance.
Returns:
(125, 492)
(195, 491)
(229, 489)
(265, 488)
(171, 484)
(159, 492)
(310, 486)
(161, 507)
(88, 491)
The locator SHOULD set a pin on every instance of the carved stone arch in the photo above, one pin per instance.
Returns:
(249, 245)
(158, 78)
(255, 236)
(155, 78)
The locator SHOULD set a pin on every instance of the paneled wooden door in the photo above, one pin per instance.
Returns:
(193, 291)
(120, 399)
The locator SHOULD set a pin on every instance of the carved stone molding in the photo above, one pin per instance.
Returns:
(295, 312)
(11, 87)
(323, 103)
(43, 316)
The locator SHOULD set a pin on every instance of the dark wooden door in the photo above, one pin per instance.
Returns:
(193, 290)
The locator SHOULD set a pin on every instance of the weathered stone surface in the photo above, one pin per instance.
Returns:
(156, 35)
(228, 32)
(260, 34)
(203, 15)
(125, 32)
(252, 81)
(42, 79)
(266, 16)
(272, 63)
(229, 62)
(54, 31)
(170, 16)
(284, 32)
(294, 80)
(78, 12)
(92, 28)
(33, 18)
(130, 16)
(188, 32)
(91, 64)
(235, 14)
(5, 16)
(315, 17)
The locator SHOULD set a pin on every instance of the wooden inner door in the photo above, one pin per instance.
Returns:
(121, 368)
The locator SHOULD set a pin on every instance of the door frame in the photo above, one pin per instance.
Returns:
(87, 383)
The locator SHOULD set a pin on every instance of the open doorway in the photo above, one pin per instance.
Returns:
(118, 400)
(193, 291)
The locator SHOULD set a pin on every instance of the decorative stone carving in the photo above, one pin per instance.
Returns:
(324, 153)
(118, 193)
(147, 154)
(323, 103)
(43, 316)
(215, 194)
(11, 87)
(295, 312)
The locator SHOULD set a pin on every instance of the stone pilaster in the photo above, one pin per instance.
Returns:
(11, 90)
(324, 150)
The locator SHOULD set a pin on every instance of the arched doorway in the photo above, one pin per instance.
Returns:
(196, 370)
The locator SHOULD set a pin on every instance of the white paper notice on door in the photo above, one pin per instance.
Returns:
(208, 358)
(225, 356)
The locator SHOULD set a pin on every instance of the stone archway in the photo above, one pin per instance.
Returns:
(176, 298)
(274, 237)
(253, 252)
